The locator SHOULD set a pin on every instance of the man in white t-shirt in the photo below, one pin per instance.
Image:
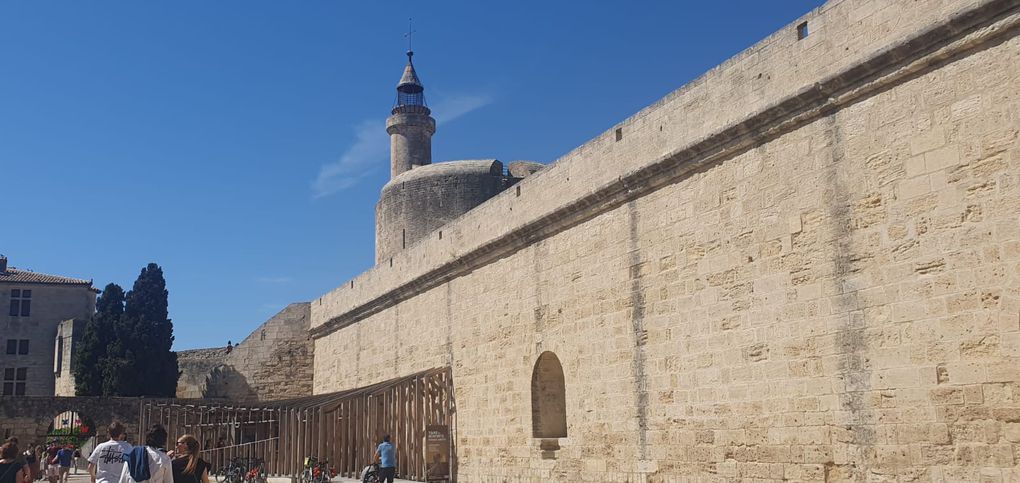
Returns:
(107, 460)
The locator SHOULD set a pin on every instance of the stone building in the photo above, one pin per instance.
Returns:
(273, 362)
(420, 196)
(804, 265)
(40, 314)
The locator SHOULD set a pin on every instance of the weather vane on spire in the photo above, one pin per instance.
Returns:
(410, 52)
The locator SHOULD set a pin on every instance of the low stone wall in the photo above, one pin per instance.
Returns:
(29, 418)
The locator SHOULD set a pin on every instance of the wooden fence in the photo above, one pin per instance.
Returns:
(342, 428)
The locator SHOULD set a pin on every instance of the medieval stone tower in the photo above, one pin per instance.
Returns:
(410, 126)
(420, 196)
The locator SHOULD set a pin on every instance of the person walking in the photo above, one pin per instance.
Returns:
(106, 462)
(50, 462)
(10, 470)
(188, 466)
(149, 462)
(65, 456)
(77, 459)
(386, 456)
(32, 460)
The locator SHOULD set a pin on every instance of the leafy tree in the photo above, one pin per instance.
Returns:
(91, 352)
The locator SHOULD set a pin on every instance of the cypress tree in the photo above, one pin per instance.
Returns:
(148, 362)
(92, 351)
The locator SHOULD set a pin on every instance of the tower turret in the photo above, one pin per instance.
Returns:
(411, 125)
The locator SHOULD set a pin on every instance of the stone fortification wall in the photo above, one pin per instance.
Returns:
(804, 265)
(419, 201)
(195, 367)
(273, 362)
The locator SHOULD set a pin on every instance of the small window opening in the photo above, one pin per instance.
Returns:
(548, 398)
(440, 234)
(802, 31)
(352, 283)
(403, 238)
(391, 262)
(619, 133)
(518, 191)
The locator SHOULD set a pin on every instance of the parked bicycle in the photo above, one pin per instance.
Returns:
(256, 471)
(233, 472)
(317, 471)
(241, 470)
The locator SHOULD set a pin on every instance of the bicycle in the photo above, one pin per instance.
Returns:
(370, 474)
(256, 471)
(317, 471)
(232, 473)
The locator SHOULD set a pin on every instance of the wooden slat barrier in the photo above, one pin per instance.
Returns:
(342, 428)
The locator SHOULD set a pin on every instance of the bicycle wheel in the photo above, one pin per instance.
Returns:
(220, 476)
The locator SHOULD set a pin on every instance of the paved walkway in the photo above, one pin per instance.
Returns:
(83, 477)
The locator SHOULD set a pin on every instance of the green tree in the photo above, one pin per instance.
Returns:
(92, 351)
(125, 350)
(148, 364)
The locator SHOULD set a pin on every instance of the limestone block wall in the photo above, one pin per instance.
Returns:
(417, 202)
(51, 304)
(273, 362)
(195, 367)
(812, 274)
(69, 332)
(29, 418)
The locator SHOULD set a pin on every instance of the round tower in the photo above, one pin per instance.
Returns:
(421, 197)
(410, 126)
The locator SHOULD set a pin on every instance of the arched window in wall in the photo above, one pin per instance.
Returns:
(548, 398)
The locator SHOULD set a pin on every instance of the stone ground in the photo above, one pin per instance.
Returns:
(83, 477)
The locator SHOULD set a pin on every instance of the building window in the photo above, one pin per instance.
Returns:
(548, 398)
(802, 31)
(14, 381)
(17, 346)
(58, 357)
(21, 303)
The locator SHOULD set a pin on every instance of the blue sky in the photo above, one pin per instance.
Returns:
(240, 144)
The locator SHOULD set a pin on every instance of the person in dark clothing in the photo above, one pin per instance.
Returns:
(10, 470)
(187, 466)
(32, 461)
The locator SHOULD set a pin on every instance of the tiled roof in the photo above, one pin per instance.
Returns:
(14, 275)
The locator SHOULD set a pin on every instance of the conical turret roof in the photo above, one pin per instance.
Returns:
(409, 82)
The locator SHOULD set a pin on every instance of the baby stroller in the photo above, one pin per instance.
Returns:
(370, 474)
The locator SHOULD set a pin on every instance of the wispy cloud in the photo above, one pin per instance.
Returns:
(371, 145)
(451, 108)
(274, 280)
